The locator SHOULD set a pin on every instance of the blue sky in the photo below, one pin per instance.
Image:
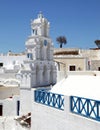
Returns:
(78, 20)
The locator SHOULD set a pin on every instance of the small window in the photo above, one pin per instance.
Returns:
(33, 31)
(72, 68)
(18, 107)
(1, 64)
(98, 68)
(1, 110)
(29, 55)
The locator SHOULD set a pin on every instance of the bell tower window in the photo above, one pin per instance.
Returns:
(45, 42)
(29, 55)
(34, 31)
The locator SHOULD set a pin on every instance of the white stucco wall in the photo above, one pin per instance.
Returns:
(11, 60)
(48, 118)
(61, 75)
(7, 75)
(9, 106)
(7, 123)
(25, 101)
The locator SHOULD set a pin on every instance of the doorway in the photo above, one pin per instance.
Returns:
(1, 110)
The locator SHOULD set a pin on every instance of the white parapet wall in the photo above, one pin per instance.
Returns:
(7, 123)
(89, 73)
(61, 75)
(9, 106)
(25, 101)
(48, 118)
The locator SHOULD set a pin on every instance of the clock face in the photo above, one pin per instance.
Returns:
(45, 42)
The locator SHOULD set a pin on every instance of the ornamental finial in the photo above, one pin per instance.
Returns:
(40, 15)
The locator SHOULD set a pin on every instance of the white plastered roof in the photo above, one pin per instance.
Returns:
(79, 85)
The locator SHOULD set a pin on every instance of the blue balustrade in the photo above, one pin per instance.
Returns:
(85, 107)
(49, 99)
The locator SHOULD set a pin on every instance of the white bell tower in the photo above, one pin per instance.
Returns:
(39, 48)
(39, 69)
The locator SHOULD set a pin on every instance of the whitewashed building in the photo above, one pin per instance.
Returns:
(34, 68)
(38, 69)
(73, 103)
(10, 64)
(43, 104)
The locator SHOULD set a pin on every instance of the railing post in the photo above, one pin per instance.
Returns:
(88, 101)
(79, 101)
(48, 99)
(98, 111)
(71, 103)
(66, 106)
(54, 100)
(35, 95)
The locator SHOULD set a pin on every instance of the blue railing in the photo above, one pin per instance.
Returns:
(49, 99)
(85, 107)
